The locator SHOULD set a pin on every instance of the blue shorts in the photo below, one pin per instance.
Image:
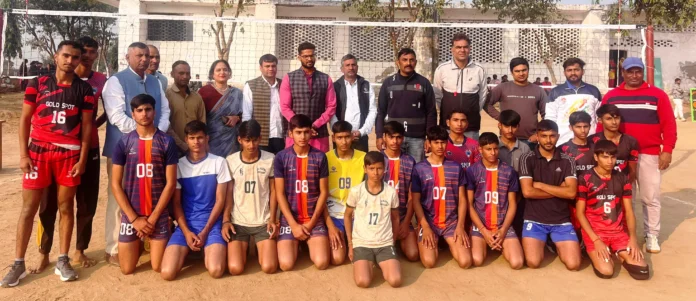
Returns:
(214, 236)
(558, 232)
(338, 222)
(285, 233)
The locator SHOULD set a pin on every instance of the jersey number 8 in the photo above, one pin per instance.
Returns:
(301, 186)
(126, 229)
(144, 170)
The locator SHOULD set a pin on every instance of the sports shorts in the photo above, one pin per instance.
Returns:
(51, 163)
(447, 232)
(558, 232)
(127, 233)
(616, 242)
(245, 234)
(338, 222)
(374, 254)
(509, 234)
(196, 226)
(286, 233)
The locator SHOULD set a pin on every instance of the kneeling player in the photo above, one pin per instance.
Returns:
(606, 215)
(251, 205)
(373, 219)
(345, 171)
(301, 181)
(198, 202)
(397, 174)
(143, 181)
(492, 187)
(439, 199)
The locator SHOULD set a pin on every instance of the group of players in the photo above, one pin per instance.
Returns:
(345, 203)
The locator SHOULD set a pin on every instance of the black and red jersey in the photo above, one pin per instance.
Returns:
(58, 109)
(604, 209)
(582, 154)
(627, 150)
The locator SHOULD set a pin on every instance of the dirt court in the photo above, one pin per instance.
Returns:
(673, 270)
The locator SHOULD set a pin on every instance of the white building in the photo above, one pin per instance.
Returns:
(493, 47)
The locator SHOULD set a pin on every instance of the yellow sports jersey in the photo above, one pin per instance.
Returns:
(343, 174)
(372, 226)
(251, 189)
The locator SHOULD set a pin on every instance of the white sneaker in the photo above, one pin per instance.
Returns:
(651, 244)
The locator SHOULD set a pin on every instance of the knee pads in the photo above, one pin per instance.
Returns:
(600, 275)
(637, 272)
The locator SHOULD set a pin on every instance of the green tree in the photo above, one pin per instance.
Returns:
(531, 11)
(421, 11)
(46, 32)
(224, 36)
(13, 34)
(676, 14)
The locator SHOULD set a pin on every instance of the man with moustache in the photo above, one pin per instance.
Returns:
(117, 94)
(408, 98)
(153, 69)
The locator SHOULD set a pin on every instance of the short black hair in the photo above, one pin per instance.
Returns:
(495, 76)
(488, 138)
(456, 111)
(250, 129)
(405, 51)
(212, 68)
(341, 126)
(518, 61)
(305, 46)
(73, 44)
(394, 127)
(610, 109)
(196, 126)
(605, 147)
(580, 116)
(436, 132)
(177, 63)
(373, 157)
(299, 121)
(573, 61)
(139, 45)
(547, 125)
(268, 58)
(509, 118)
(142, 99)
(461, 37)
(677, 79)
(88, 42)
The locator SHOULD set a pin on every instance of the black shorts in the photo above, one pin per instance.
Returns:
(374, 254)
(244, 234)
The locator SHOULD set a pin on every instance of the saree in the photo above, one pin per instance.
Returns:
(222, 138)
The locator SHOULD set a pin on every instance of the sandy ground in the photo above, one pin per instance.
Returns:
(673, 270)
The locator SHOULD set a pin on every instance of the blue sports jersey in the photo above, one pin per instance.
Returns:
(198, 184)
(439, 189)
(301, 175)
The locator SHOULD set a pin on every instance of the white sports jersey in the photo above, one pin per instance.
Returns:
(372, 227)
(198, 184)
(252, 207)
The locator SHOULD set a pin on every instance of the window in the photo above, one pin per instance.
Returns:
(289, 36)
(486, 43)
(169, 30)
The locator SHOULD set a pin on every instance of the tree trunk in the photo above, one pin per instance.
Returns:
(424, 42)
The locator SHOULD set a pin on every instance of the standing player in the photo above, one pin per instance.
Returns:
(439, 199)
(460, 148)
(59, 109)
(143, 181)
(492, 187)
(303, 172)
(579, 148)
(627, 146)
(606, 215)
(373, 219)
(549, 183)
(87, 193)
(251, 206)
(199, 199)
(346, 170)
(397, 174)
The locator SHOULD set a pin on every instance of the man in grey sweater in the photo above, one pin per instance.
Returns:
(677, 94)
(521, 96)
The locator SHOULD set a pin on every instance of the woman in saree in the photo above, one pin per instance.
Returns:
(223, 106)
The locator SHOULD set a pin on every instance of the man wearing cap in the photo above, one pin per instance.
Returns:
(646, 114)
